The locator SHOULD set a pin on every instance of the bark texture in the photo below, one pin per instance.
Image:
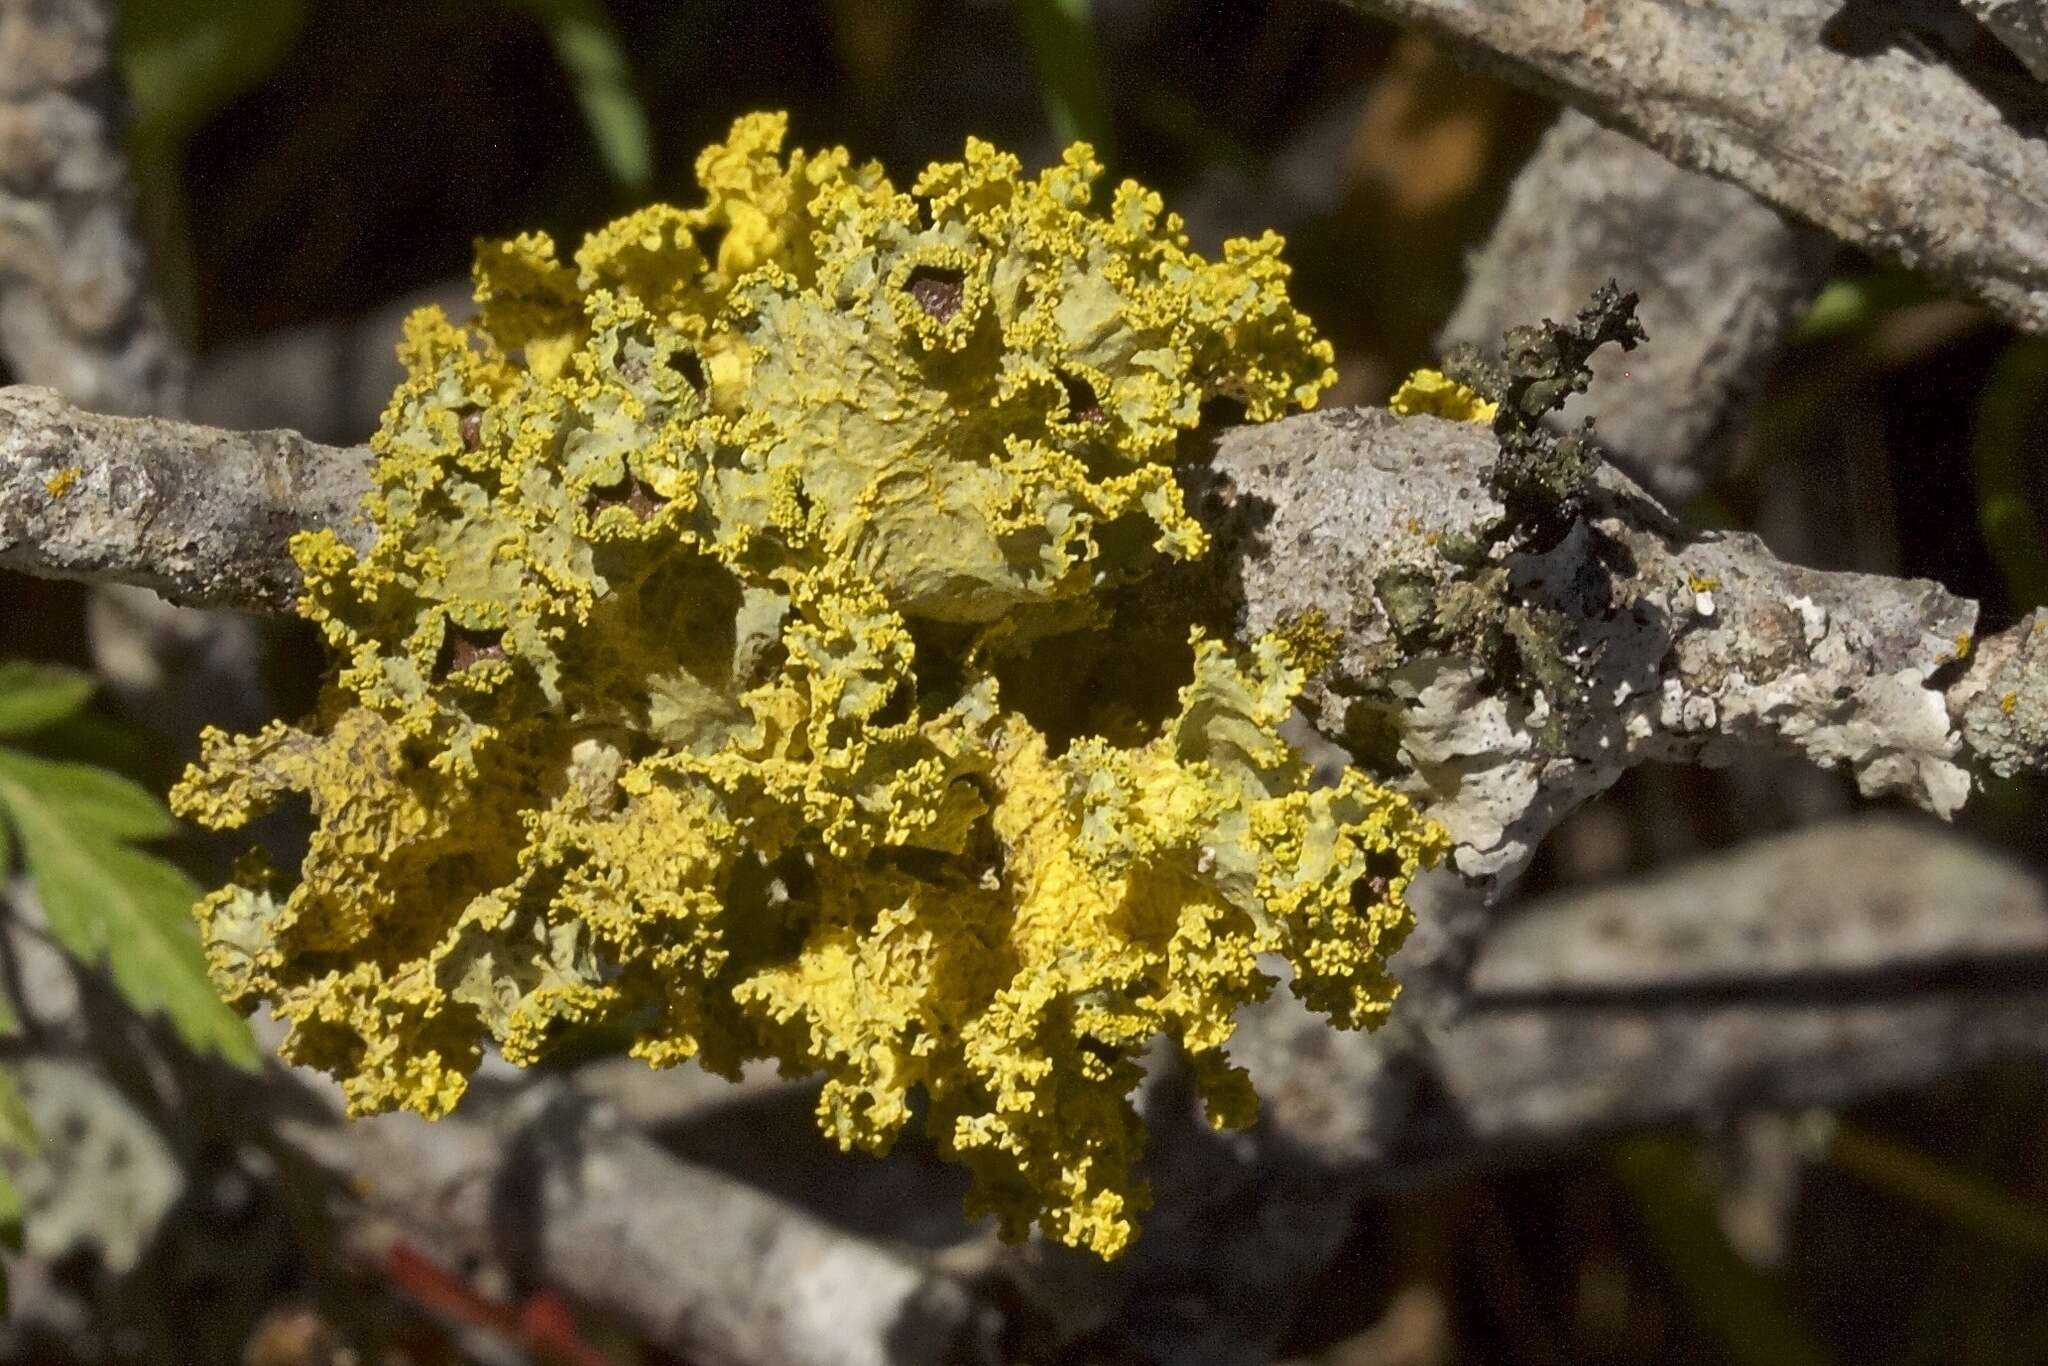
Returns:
(1631, 642)
(201, 515)
(1899, 136)
(76, 309)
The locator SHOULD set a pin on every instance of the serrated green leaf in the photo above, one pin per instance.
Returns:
(36, 695)
(106, 902)
(99, 802)
(17, 1126)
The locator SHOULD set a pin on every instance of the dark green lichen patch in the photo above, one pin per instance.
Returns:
(1489, 597)
(1541, 478)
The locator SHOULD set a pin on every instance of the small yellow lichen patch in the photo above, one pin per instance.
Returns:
(1431, 393)
(63, 481)
(721, 674)
(1312, 643)
(1707, 583)
(2009, 703)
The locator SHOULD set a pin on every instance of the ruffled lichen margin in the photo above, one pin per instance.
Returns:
(743, 665)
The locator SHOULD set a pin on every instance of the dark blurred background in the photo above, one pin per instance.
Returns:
(304, 163)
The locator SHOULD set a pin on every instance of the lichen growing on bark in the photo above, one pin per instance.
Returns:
(713, 677)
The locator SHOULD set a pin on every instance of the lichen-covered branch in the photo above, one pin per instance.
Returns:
(1516, 688)
(2001, 700)
(1683, 649)
(1723, 276)
(199, 514)
(76, 308)
(1906, 143)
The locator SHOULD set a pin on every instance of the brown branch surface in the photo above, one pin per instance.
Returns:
(1914, 146)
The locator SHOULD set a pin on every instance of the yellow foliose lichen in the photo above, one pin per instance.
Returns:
(1431, 393)
(747, 661)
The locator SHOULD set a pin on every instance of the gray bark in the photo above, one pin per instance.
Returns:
(1673, 649)
(76, 309)
(1886, 136)
(1677, 649)
(201, 515)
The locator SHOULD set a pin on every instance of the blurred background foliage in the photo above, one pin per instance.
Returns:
(302, 161)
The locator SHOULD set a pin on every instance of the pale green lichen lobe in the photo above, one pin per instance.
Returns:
(667, 695)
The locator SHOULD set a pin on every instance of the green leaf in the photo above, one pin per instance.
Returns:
(110, 903)
(80, 794)
(587, 45)
(36, 695)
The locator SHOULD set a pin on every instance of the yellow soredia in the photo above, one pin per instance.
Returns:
(743, 663)
(1431, 393)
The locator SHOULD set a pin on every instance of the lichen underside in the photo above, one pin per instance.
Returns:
(667, 698)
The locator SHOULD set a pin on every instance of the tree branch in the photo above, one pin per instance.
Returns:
(1515, 690)
(1919, 146)
(1819, 968)
(1531, 685)
(700, 1264)
(201, 515)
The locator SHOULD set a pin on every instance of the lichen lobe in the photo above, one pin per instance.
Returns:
(688, 686)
